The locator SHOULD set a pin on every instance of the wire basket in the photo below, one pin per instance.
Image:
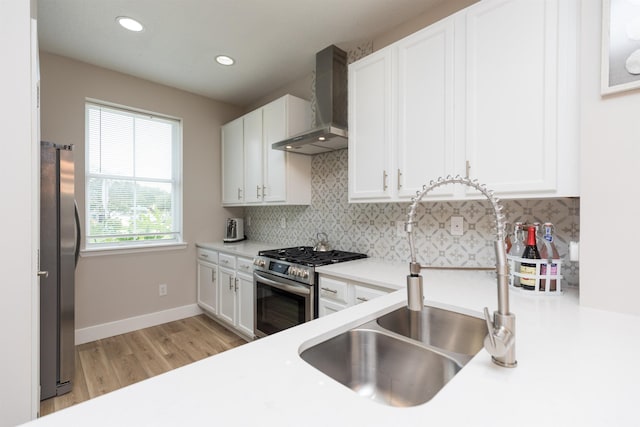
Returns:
(547, 279)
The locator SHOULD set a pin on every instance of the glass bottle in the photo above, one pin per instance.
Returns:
(507, 238)
(530, 252)
(517, 246)
(548, 251)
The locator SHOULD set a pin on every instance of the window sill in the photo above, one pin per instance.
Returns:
(121, 250)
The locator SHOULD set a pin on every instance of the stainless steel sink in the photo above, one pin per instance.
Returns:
(444, 329)
(381, 367)
(402, 358)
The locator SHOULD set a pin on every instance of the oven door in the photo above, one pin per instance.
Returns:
(280, 303)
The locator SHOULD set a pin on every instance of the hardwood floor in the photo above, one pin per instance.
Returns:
(111, 363)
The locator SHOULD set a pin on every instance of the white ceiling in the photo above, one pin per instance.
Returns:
(273, 41)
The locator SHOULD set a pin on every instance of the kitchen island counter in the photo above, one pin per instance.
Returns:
(576, 366)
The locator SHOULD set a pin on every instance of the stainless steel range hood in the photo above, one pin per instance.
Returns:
(330, 133)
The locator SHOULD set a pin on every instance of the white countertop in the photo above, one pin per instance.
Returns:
(576, 366)
(247, 248)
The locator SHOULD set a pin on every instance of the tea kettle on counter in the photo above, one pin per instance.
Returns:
(234, 230)
(322, 243)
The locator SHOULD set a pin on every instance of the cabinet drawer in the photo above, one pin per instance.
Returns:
(245, 265)
(208, 255)
(364, 294)
(334, 290)
(228, 261)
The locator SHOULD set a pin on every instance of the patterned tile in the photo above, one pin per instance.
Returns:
(372, 227)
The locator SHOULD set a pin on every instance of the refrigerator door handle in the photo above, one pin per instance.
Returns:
(78, 231)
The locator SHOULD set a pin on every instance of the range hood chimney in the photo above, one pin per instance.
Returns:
(330, 133)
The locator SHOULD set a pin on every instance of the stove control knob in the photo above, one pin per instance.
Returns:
(291, 271)
(305, 274)
(259, 262)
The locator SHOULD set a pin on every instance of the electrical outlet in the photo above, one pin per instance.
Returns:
(162, 289)
(283, 222)
(457, 226)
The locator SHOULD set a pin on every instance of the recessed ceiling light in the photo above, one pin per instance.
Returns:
(129, 23)
(225, 60)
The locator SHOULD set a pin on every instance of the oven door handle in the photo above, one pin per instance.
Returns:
(294, 289)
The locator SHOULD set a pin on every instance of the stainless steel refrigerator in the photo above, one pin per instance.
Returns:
(59, 249)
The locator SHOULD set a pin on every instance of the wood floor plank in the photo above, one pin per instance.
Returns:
(108, 364)
(99, 373)
(151, 359)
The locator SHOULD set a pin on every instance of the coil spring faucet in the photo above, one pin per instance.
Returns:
(500, 339)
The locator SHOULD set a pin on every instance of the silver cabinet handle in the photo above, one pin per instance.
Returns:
(257, 191)
(239, 193)
(467, 168)
(204, 255)
(213, 276)
(399, 179)
(224, 261)
(384, 180)
(333, 291)
(236, 281)
(264, 188)
(230, 283)
(363, 299)
(44, 274)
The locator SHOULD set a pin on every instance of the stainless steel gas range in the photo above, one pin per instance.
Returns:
(285, 285)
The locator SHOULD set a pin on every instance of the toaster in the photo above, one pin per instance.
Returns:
(234, 230)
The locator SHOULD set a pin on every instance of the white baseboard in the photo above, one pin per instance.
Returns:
(130, 324)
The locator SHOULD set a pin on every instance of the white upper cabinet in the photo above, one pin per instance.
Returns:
(370, 126)
(261, 175)
(232, 162)
(425, 134)
(253, 155)
(286, 175)
(512, 95)
(488, 93)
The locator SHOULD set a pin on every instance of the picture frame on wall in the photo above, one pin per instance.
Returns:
(620, 45)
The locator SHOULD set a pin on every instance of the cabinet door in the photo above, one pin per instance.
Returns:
(245, 299)
(365, 293)
(511, 94)
(425, 143)
(227, 295)
(253, 152)
(232, 162)
(274, 130)
(207, 289)
(326, 307)
(371, 126)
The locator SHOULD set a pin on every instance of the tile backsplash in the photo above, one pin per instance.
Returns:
(376, 228)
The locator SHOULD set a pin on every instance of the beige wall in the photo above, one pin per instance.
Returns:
(116, 287)
(609, 211)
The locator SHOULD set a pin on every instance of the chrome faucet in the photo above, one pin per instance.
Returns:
(500, 340)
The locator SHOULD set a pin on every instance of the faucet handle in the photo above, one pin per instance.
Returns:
(500, 340)
(487, 318)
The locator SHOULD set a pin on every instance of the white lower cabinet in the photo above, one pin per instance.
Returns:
(207, 295)
(338, 294)
(225, 291)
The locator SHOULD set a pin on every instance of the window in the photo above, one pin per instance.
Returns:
(133, 178)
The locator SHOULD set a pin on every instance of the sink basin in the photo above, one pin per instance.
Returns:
(444, 329)
(381, 367)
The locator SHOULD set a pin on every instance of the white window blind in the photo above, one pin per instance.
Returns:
(133, 178)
